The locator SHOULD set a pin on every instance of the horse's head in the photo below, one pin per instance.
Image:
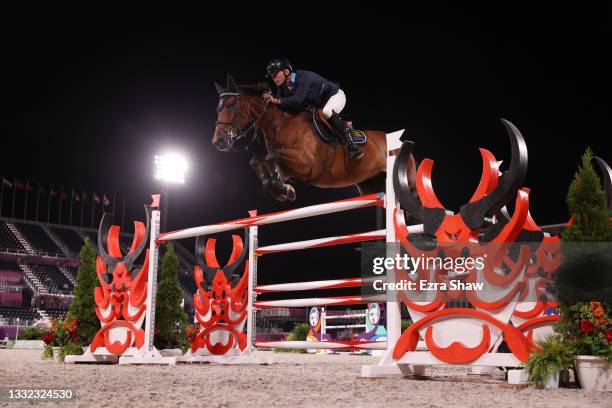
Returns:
(234, 116)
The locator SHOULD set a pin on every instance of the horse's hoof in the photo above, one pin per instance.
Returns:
(289, 192)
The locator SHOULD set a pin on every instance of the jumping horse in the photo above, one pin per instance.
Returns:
(292, 148)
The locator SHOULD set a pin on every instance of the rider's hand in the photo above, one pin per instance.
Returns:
(269, 98)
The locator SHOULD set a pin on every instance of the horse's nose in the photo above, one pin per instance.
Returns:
(221, 144)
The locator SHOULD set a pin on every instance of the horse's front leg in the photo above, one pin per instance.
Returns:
(270, 175)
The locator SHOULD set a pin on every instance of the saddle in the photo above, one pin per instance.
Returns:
(330, 135)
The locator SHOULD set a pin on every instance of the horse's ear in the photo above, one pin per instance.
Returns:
(220, 89)
(231, 84)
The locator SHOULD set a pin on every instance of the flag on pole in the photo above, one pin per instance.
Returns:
(8, 184)
(73, 197)
(63, 197)
(16, 185)
(27, 188)
(51, 194)
(105, 200)
(83, 200)
(96, 199)
(38, 193)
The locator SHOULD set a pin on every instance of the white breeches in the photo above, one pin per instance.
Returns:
(335, 103)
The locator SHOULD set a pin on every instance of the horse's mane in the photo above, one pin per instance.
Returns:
(255, 89)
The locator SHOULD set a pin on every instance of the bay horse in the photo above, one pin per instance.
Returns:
(293, 149)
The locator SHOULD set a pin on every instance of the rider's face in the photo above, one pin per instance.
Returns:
(280, 77)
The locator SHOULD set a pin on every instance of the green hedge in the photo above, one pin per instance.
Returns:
(31, 333)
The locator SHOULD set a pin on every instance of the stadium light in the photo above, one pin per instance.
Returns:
(171, 168)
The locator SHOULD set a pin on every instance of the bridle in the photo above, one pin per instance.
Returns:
(236, 134)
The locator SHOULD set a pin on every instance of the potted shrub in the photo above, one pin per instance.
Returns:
(545, 365)
(584, 281)
(587, 326)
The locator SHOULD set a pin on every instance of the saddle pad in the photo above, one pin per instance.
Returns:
(327, 135)
(324, 132)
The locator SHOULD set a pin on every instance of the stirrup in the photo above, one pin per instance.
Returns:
(354, 152)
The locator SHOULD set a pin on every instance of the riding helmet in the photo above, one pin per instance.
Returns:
(277, 64)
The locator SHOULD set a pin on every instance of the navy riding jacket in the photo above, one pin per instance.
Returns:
(308, 89)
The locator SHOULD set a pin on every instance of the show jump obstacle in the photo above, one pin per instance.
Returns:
(226, 297)
(369, 321)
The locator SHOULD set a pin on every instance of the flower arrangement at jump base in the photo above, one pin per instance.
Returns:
(190, 333)
(584, 345)
(61, 339)
(592, 330)
(587, 327)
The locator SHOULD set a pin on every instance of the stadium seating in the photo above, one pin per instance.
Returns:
(9, 266)
(72, 271)
(58, 314)
(38, 238)
(53, 279)
(19, 312)
(7, 239)
(69, 237)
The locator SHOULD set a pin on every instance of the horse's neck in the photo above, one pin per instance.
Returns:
(271, 121)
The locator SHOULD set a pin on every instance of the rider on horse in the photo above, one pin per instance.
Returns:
(302, 90)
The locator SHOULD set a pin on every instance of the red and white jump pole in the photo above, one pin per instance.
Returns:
(326, 301)
(312, 285)
(331, 345)
(273, 218)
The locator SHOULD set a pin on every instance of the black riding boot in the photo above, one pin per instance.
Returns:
(354, 152)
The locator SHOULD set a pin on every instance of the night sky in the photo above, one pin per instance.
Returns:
(91, 99)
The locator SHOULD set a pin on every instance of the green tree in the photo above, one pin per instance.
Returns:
(83, 305)
(587, 259)
(170, 318)
(587, 204)
(299, 333)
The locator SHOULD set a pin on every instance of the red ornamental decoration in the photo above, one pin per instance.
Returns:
(221, 299)
(482, 228)
(121, 297)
